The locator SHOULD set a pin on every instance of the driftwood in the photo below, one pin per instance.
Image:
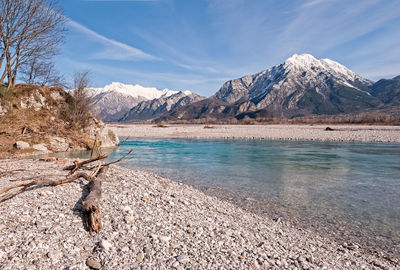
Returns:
(79, 164)
(23, 187)
(91, 204)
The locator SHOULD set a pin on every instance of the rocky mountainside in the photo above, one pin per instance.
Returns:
(114, 100)
(211, 109)
(388, 91)
(151, 109)
(301, 86)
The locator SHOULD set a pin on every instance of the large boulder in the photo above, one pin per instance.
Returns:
(21, 145)
(104, 135)
(40, 147)
(58, 144)
(107, 137)
(3, 110)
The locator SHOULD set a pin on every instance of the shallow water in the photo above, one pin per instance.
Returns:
(348, 190)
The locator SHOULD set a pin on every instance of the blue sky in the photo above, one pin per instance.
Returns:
(199, 44)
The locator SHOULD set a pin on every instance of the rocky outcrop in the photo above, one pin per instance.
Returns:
(58, 144)
(36, 119)
(35, 101)
(105, 136)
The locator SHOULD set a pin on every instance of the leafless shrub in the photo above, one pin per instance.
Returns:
(40, 72)
(77, 110)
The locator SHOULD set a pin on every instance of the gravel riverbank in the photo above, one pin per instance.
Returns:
(151, 222)
(347, 133)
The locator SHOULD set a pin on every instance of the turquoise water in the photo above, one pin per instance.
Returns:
(348, 190)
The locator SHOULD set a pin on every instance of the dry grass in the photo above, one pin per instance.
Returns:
(365, 118)
(38, 125)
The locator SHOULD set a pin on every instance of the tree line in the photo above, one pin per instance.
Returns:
(31, 32)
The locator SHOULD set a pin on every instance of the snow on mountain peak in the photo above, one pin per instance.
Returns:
(136, 90)
(312, 65)
(301, 59)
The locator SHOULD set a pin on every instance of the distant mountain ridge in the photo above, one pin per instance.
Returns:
(113, 101)
(151, 109)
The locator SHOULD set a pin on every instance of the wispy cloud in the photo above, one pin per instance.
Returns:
(318, 31)
(178, 57)
(121, 0)
(112, 49)
(311, 3)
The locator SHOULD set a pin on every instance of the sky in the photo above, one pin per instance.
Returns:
(197, 45)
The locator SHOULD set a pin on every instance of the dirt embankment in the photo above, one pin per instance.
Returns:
(35, 119)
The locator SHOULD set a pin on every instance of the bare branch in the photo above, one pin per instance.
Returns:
(29, 29)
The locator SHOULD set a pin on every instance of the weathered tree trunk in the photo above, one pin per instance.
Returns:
(91, 206)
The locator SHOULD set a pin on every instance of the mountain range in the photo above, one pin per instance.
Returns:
(301, 86)
(112, 102)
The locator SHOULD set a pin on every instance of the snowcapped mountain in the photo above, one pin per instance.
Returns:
(114, 100)
(302, 85)
(151, 109)
(136, 91)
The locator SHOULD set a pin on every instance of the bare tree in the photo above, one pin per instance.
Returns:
(79, 106)
(28, 29)
(41, 72)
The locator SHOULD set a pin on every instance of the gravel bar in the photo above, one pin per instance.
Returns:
(345, 133)
(150, 222)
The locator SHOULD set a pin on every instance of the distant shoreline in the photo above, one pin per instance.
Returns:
(338, 133)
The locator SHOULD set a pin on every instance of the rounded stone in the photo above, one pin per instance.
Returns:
(93, 264)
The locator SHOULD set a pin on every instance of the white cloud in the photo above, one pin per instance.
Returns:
(313, 3)
(178, 57)
(121, 0)
(112, 49)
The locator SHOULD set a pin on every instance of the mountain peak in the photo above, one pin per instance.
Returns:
(288, 88)
(135, 90)
(301, 59)
(310, 64)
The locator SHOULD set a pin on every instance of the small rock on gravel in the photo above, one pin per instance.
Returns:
(93, 264)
